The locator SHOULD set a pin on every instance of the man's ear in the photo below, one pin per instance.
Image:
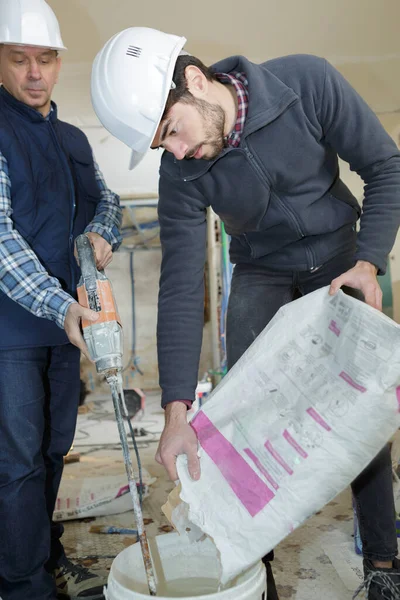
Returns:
(59, 62)
(197, 82)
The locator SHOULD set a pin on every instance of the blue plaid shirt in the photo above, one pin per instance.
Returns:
(22, 277)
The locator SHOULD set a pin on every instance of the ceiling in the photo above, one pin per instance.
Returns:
(341, 30)
(361, 37)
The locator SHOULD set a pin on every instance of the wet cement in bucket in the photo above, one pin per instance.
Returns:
(183, 588)
(183, 570)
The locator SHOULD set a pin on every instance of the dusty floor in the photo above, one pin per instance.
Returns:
(315, 562)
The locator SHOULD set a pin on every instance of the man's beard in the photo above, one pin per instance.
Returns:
(214, 125)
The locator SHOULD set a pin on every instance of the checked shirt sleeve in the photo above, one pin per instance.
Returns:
(22, 277)
(108, 218)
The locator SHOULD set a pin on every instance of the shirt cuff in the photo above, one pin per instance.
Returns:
(112, 236)
(56, 305)
(187, 402)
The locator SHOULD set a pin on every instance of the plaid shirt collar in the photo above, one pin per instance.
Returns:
(240, 83)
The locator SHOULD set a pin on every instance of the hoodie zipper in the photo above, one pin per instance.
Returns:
(73, 203)
(288, 212)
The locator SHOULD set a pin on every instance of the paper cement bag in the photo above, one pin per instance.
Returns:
(307, 407)
(82, 497)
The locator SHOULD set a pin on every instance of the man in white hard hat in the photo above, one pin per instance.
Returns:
(260, 144)
(51, 190)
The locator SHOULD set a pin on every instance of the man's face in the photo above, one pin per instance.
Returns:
(29, 74)
(192, 130)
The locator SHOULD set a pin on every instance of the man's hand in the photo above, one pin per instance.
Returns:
(102, 250)
(361, 277)
(72, 323)
(177, 438)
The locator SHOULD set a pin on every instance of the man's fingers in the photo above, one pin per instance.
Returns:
(168, 462)
(336, 285)
(370, 296)
(104, 261)
(102, 250)
(84, 349)
(378, 299)
(170, 467)
(373, 296)
(361, 277)
(75, 313)
(194, 466)
(332, 290)
(76, 338)
(88, 315)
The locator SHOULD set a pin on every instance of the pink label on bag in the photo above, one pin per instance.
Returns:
(334, 328)
(294, 444)
(278, 457)
(351, 382)
(122, 491)
(317, 417)
(252, 492)
(261, 468)
(398, 396)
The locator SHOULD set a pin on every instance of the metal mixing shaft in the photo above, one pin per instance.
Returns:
(117, 396)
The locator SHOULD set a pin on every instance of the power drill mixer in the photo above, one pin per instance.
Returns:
(104, 340)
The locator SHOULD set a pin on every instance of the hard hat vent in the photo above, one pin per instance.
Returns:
(134, 51)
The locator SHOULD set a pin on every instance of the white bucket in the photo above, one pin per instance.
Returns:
(187, 570)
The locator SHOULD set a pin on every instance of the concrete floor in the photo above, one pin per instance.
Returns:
(315, 562)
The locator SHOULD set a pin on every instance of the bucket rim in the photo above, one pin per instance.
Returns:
(255, 572)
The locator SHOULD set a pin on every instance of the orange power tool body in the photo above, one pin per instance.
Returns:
(104, 337)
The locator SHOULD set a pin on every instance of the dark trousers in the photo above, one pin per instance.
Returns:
(39, 395)
(257, 293)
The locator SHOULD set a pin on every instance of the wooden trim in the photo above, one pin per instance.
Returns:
(147, 196)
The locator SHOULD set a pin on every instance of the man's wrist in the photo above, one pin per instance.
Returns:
(364, 264)
(176, 411)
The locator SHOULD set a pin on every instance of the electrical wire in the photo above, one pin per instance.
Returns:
(139, 462)
(116, 446)
(134, 360)
(127, 231)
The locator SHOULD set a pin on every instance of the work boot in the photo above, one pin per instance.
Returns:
(381, 584)
(272, 593)
(74, 582)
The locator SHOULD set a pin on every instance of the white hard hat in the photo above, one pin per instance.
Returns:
(29, 23)
(131, 80)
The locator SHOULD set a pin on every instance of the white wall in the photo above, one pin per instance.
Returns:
(343, 30)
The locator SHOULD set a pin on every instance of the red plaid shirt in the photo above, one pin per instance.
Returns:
(240, 83)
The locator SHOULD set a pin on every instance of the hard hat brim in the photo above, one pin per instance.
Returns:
(136, 157)
(58, 48)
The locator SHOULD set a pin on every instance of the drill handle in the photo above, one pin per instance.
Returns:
(90, 274)
(86, 257)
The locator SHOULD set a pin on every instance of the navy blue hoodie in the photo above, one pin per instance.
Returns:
(279, 194)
